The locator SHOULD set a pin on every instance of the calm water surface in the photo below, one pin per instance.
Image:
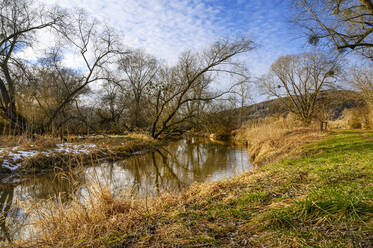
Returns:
(171, 168)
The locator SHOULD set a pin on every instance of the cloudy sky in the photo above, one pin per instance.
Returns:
(165, 28)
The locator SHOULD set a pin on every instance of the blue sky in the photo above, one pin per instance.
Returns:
(166, 28)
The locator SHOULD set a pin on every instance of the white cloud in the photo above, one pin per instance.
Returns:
(162, 28)
(166, 28)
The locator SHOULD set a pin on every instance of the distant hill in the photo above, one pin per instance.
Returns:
(339, 100)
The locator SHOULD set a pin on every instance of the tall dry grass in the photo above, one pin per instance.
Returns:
(92, 219)
(104, 219)
(47, 159)
(99, 216)
(355, 118)
(274, 138)
(141, 136)
(25, 141)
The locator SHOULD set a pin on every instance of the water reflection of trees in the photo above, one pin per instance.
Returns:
(63, 185)
(6, 200)
(151, 173)
(170, 168)
(13, 219)
(180, 164)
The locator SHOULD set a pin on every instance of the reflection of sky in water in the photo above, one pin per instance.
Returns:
(171, 168)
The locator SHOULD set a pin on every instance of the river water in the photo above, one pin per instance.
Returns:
(171, 168)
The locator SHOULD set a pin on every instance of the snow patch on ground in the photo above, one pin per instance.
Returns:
(12, 178)
(74, 149)
(14, 155)
(10, 166)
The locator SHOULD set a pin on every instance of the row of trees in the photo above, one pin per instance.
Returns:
(46, 85)
(139, 91)
(297, 80)
(162, 99)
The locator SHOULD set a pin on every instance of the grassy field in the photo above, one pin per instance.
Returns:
(323, 198)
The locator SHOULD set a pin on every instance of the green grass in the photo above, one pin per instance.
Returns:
(323, 198)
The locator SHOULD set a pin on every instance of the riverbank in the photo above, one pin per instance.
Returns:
(44, 154)
(275, 139)
(322, 198)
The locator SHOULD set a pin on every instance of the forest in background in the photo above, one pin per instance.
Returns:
(117, 89)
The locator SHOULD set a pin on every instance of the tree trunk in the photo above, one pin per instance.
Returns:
(8, 110)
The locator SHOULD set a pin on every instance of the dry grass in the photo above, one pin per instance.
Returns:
(98, 217)
(26, 142)
(109, 151)
(97, 221)
(86, 150)
(272, 139)
(141, 136)
(322, 199)
(355, 118)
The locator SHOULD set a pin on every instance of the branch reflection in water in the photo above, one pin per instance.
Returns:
(170, 169)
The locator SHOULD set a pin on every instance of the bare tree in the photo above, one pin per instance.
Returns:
(243, 90)
(363, 81)
(348, 24)
(219, 116)
(298, 80)
(138, 73)
(98, 47)
(176, 88)
(113, 105)
(18, 23)
(43, 89)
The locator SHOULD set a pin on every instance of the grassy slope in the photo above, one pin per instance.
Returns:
(322, 199)
(338, 100)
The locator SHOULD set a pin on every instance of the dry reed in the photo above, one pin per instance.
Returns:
(273, 138)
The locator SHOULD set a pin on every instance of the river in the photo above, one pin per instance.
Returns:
(170, 168)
